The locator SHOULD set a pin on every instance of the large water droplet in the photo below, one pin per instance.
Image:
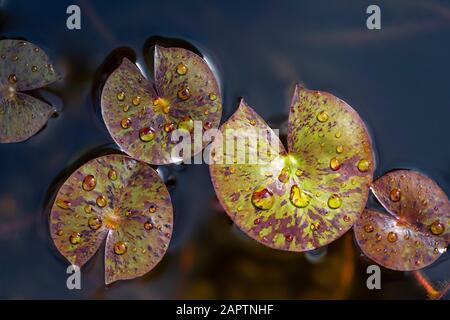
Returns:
(12, 78)
(136, 101)
(146, 134)
(75, 238)
(148, 225)
(101, 201)
(395, 195)
(437, 228)
(298, 197)
(334, 164)
(392, 236)
(63, 204)
(363, 165)
(120, 248)
(186, 123)
(125, 123)
(322, 116)
(263, 199)
(182, 69)
(112, 174)
(284, 175)
(184, 93)
(95, 223)
(89, 183)
(334, 201)
(368, 228)
(121, 96)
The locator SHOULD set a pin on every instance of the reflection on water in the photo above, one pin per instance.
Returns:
(394, 78)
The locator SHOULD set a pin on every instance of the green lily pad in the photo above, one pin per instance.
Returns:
(415, 231)
(142, 120)
(23, 66)
(120, 199)
(305, 198)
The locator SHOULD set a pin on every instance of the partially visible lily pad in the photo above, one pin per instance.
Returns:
(23, 66)
(142, 119)
(120, 199)
(414, 231)
(303, 199)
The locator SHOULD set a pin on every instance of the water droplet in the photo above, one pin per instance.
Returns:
(395, 195)
(298, 197)
(334, 164)
(322, 116)
(337, 135)
(257, 221)
(88, 208)
(339, 149)
(12, 79)
(392, 236)
(146, 134)
(363, 165)
(75, 238)
(378, 237)
(120, 248)
(368, 228)
(169, 127)
(207, 125)
(101, 201)
(212, 96)
(406, 237)
(289, 237)
(126, 108)
(112, 174)
(63, 204)
(136, 101)
(437, 228)
(182, 69)
(262, 198)
(253, 122)
(95, 223)
(346, 218)
(298, 173)
(59, 232)
(89, 183)
(284, 175)
(184, 93)
(125, 123)
(152, 208)
(148, 225)
(334, 201)
(121, 96)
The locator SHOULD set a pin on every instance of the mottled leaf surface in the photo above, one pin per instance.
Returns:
(414, 231)
(186, 91)
(296, 201)
(128, 204)
(23, 66)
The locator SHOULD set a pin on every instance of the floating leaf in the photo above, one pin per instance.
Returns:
(122, 200)
(303, 199)
(142, 120)
(417, 229)
(23, 66)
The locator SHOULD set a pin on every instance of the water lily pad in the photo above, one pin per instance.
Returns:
(142, 119)
(23, 66)
(308, 197)
(120, 199)
(414, 231)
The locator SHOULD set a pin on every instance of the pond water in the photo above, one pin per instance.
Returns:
(396, 78)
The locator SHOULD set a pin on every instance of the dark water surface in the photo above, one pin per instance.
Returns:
(396, 78)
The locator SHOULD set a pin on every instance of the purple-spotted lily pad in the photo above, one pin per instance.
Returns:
(23, 67)
(305, 198)
(120, 199)
(142, 117)
(415, 231)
